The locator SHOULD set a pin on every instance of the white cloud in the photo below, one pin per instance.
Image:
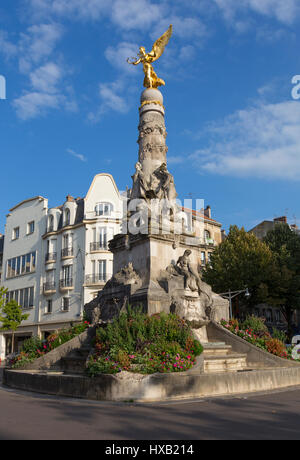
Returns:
(7, 48)
(38, 43)
(285, 11)
(110, 97)
(117, 56)
(46, 78)
(262, 141)
(133, 14)
(79, 156)
(113, 98)
(33, 104)
(78, 9)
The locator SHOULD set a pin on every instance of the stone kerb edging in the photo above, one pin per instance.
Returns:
(156, 387)
(255, 355)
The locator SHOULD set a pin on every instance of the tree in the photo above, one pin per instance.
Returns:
(11, 314)
(285, 293)
(239, 262)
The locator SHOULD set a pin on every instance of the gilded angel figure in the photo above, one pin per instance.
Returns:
(151, 79)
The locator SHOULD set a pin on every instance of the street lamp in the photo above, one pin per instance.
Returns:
(231, 294)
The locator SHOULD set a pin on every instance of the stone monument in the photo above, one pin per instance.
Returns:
(155, 265)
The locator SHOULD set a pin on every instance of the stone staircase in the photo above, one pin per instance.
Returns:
(219, 357)
(75, 361)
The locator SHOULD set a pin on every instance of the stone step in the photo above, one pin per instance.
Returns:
(216, 349)
(225, 363)
(74, 365)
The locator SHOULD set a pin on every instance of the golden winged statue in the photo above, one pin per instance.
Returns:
(151, 79)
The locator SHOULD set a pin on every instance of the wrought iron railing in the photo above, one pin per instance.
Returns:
(97, 279)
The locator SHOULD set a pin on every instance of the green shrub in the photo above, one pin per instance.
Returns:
(146, 344)
(280, 335)
(276, 347)
(257, 325)
(31, 346)
(34, 347)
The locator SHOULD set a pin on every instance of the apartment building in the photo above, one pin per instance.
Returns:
(56, 260)
(1, 254)
(261, 230)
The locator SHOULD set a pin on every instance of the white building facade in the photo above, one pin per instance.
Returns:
(56, 260)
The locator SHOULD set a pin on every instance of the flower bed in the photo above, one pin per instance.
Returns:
(138, 343)
(34, 347)
(258, 336)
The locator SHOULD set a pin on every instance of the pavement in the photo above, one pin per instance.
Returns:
(266, 416)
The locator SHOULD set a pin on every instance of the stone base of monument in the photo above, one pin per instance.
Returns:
(228, 366)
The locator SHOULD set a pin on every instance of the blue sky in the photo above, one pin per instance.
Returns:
(72, 100)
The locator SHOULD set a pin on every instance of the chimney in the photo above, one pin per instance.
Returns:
(207, 212)
(282, 219)
(69, 198)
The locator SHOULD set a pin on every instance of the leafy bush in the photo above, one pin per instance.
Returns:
(34, 347)
(257, 325)
(276, 347)
(145, 344)
(259, 336)
(31, 346)
(280, 335)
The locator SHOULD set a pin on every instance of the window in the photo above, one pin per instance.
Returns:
(16, 233)
(102, 270)
(67, 217)
(203, 258)
(30, 228)
(50, 223)
(65, 304)
(24, 297)
(277, 316)
(48, 308)
(104, 209)
(67, 277)
(21, 265)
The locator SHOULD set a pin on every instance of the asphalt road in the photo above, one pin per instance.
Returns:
(272, 416)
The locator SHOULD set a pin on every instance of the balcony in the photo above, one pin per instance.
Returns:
(49, 288)
(96, 280)
(66, 284)
(50, 257)
(66, 253)
(99, 246)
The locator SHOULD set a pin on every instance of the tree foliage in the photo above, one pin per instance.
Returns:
(285, 289)
(241, 261)
(11, 314)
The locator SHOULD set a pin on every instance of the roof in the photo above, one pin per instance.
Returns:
(198, 213)
(40, 198)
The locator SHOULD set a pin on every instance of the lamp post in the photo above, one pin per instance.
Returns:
(231, 294)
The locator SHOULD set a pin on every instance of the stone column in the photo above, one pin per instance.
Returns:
(152, 180)
(152, 131)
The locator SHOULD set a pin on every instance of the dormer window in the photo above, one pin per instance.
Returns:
(104, 209)
(67, 217)
(51, 224)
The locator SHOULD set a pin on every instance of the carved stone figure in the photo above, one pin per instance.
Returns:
(140, 186)
(166, 188)
(126, 276)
